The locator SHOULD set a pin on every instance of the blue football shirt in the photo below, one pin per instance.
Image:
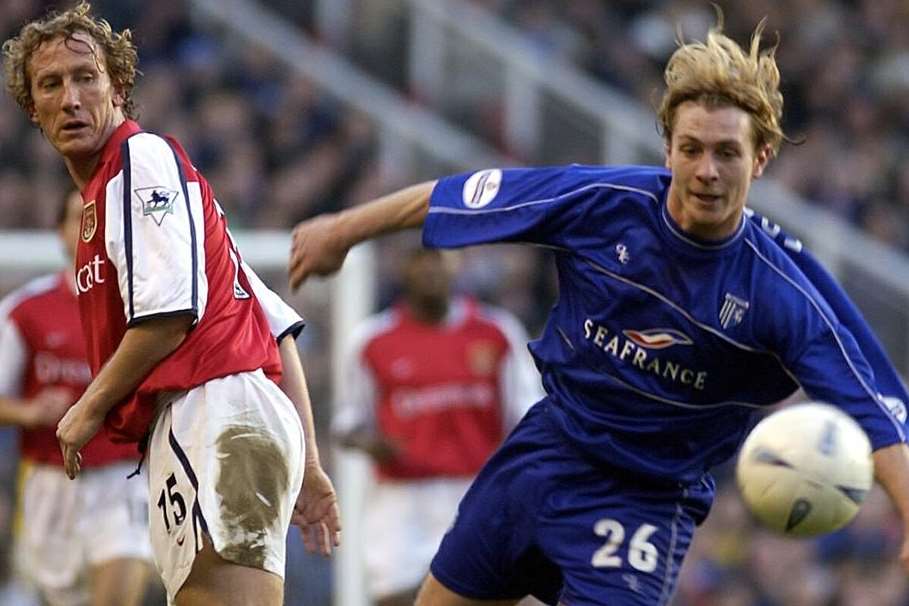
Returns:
(660, 345)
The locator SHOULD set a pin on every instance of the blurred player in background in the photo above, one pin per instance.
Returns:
(432, 386)
(677, 318)
(179, 344)
(82, 542)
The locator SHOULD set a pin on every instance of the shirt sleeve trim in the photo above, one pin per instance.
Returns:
(293, 330)
(164, 314)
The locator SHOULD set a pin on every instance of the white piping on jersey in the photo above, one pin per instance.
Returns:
(666, 591)
(480, 211)
(676, 403)
(565, 338)
(666, 300)
(836, 337)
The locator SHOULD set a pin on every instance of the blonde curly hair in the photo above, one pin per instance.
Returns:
(120, 56)
(719, 73)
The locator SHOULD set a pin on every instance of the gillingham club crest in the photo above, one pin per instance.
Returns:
(89, 221)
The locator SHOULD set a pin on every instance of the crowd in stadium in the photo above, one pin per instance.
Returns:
(278, 149)
(845, 69)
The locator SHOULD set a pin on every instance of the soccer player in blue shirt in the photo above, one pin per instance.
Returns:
(678, 317)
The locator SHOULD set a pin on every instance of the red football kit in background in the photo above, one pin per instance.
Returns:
(41, 347)
(447, 393)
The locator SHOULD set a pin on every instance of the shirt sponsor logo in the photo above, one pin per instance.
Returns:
(733, 311)
(89, 274)
(411, 401)
(157, 202)
(52, 370)
(631, 347)
(481, 188)
(89, 221)
(657, 338)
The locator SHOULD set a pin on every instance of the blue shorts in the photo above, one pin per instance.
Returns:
(542, 520)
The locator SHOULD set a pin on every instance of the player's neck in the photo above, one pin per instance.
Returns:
(426, 312)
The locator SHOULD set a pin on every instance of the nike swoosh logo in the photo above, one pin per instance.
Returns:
(180, 541)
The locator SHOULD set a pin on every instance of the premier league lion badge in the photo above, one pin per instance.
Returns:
(89, 221)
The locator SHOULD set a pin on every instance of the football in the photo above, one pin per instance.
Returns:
(805, 470)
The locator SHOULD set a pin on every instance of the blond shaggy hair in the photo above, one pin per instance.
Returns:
(120, 57)
(719, 73)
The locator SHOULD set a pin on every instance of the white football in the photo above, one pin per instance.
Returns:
(805, 470)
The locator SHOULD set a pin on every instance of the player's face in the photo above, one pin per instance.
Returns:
(71, 225)
(75, 103)
(713, 161)
(427, 278)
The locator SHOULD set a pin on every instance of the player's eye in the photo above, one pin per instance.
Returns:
(48, 83)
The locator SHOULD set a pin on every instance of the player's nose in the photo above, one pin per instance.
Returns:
(707, 169)
(71, 98)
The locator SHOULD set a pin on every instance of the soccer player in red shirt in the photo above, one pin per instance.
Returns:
(178, 342)
(63, 549)
(432, 387)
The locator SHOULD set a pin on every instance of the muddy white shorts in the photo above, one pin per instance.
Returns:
(403, 526)
(225, 460)
(69, 526)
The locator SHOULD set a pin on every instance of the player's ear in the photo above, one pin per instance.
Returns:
(118, 98)
(667, 150)
(761, 158)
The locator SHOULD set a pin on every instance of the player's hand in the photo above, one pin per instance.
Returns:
(75, 429)
(46, 408)
(316, 511)
(316, 248)
(383, 450)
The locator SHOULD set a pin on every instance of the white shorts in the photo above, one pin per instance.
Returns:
(403, 525)
(69, 526)
(225, 460)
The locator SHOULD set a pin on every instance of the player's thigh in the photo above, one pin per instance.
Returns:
(225, 466)
(215, 581)
(618, 542)
(434, 593)
(119, 582)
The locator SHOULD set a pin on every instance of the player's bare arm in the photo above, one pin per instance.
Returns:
(320, 244)
(44, 410)
(316, 510)
(891, 470)
(379, 448)
(142, 348)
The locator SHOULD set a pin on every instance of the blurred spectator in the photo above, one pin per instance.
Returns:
(432, 386)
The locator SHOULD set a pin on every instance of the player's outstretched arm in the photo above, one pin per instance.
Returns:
(320, 244)
(316, 511)
(891, 469)
(142, 348)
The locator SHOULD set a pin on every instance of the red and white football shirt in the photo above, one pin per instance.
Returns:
(446, 393)
(41, 347)
(153, 244)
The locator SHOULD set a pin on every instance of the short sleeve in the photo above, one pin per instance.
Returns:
(13, 357)
(155, 233)
(283, 320)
